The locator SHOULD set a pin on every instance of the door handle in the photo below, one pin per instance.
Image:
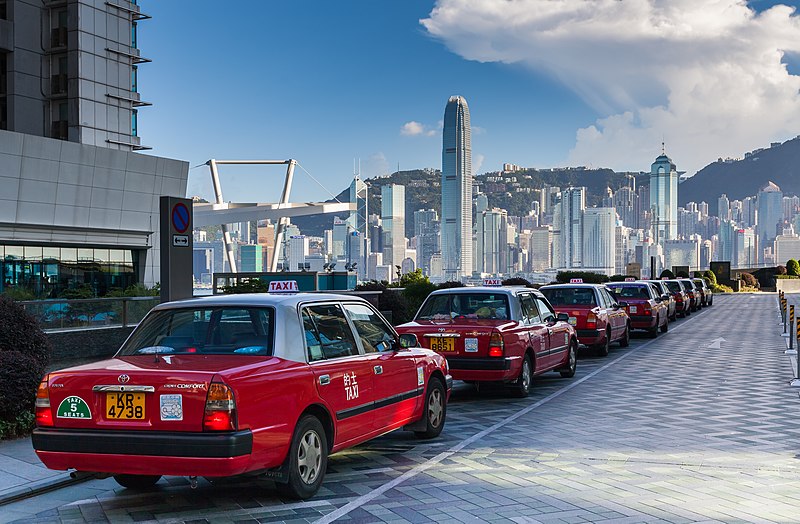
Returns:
(324, 380)
(378, 370)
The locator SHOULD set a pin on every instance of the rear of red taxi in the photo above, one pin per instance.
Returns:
(585, 315)
(642, 311)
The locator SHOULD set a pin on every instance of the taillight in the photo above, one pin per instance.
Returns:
(648, 310)
(591, 320)
(496, 345)
(44, 416)
(678, 298)
(220, 413)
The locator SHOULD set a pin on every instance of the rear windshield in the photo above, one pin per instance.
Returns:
(687, 285)
(673, 285)
(225, 330)
(570, 296)
(630, 291)
(464, 305)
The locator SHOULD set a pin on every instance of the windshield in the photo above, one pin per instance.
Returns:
(449, 306)
(570, 296)
(630, 291)
(222, 330)
(673, 285)
(687, 285)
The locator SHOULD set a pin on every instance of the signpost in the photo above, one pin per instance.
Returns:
(176, 248)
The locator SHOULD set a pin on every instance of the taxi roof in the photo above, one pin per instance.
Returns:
(567, 285)
(507, 290)
(256, 299)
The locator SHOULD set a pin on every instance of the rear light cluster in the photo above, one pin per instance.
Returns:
(220, 412)
(591, 320)
(496, 345)
(44, 415)
(648, 310)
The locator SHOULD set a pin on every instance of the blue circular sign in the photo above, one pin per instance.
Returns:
(180, 217)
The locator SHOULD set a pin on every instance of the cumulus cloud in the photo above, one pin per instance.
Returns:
(707, 76)
(414, 128)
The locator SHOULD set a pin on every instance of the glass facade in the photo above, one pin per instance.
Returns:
(47, 271)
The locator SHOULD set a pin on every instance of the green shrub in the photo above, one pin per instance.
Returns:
(667, 273)
(621, 278)
(24, 354)
(450, 284)
(786, 277)
(780, 270)
(711, 278)
(516, 281)
(793, 267)
(682, 274)
(588, 277)
(19, 427)
(721, 288)
(749, 280)
(248, 285)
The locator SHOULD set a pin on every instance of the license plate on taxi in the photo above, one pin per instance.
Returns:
(443, 344)
(573, 321)
(125, 406)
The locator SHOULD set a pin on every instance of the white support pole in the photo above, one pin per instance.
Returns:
(280, 230)
(226, 235)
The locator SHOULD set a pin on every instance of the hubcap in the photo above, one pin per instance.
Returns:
(309, 457)
(526, 375)
(573, 359)
(435, 408)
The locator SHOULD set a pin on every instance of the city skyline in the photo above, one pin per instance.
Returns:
(563, 109)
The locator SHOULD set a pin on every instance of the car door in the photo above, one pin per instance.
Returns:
(344, 378)
(558, 332)
(538, 333)
(398, 385)
(616, 316)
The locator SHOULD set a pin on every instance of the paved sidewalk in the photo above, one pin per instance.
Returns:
(22, 473)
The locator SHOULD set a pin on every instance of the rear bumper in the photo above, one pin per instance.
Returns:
(481, 369)
(139, 453)
(641, 322)
(590, 337)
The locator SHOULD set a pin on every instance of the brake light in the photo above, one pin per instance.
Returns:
(220, 412)
(591, 320)
(678, 298)
(44, 416)
(496, 345)
(648, 310)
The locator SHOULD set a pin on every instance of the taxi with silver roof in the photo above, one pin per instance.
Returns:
(241, 384)
(491, 334)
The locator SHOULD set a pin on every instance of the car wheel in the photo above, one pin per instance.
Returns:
(572, 361)
(652, 332)
(665, 327)
(625, 341)
(137, 481)
(435, 409)
(522, 385)
(602, 349)
(307, 460)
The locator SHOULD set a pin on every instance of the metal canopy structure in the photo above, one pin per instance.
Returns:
(223, 213)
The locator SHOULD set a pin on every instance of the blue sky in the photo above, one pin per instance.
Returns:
(325, 82)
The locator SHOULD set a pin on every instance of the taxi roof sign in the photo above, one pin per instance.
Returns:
(283, 286)
(630, 279)
(492, 282)
(576, 281)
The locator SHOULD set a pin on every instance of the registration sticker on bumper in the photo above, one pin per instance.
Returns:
(633, 309)
(471, 345)
(171, 407)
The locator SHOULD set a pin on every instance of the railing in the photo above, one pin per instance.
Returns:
(90, 312)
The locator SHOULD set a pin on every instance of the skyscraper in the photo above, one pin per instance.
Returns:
(770, 213)
(599, 239)
(426, 229)
(664, 199)
(456, 223)
(393, 213)
(568, 217)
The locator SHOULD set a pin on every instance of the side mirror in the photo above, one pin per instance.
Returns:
(562, 317)
(665, 297)
(615, 306)
(408, 340)
(623, 304)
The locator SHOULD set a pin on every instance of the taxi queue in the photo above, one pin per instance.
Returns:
(271, 384)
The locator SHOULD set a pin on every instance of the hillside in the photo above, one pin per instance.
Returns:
(510, 191)
(743, 178)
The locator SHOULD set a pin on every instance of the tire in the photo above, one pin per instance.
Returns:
(572, 361)
(601, 350)
(435, 409)
(522, 385)
(665, 327)
(652, 332)
(307, 460)
(138, 482)
(625, 341)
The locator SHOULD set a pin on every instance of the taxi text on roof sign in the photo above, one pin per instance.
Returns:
(576, 281)
(630, 279)
(283, 286)
(494, 282)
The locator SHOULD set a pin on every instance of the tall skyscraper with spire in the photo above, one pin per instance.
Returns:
(664, 198)
(456, 221)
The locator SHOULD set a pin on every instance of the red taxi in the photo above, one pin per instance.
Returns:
(597, 316)
(496, 334)
(241, 384)
(692, 292)
(645, 307)
(681, 297)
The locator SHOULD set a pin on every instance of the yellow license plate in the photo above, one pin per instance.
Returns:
(444, 344)
(125, 406)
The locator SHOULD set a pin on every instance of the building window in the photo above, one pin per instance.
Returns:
(135, 79)
(134, 39)
(58, 34)
(3, 10)
(135, 122)
(3, 90)
(58, 80)
(60, 128)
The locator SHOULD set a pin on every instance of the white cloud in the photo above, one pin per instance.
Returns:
(705, 75)
(477, 163)
(414, 128)
(375, 165)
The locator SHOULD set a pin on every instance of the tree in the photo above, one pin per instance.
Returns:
(793, 268)
(249, 285)
(416, 288)
(516, 281)
(780, 270)
(749, 280)
(682, 274)
(450, 284)
(668, 274)
(588, 277)
(711, 278)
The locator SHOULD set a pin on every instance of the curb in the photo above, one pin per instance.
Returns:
(38, 487)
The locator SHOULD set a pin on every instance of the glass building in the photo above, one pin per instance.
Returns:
(46, 272)
(664, 199)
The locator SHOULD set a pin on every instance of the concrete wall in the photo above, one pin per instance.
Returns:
(788, 285)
